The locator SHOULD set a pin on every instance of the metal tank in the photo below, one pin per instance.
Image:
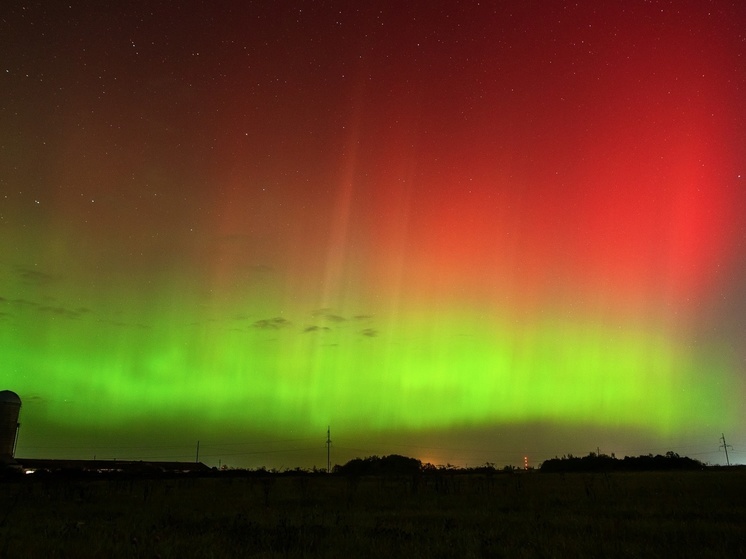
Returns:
(10, 409)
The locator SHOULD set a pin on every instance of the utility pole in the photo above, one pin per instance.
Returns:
(725, 446)
(196, 460)
(328, 450)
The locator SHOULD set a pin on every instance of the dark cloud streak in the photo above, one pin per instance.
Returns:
(35, 277)
(272, 323)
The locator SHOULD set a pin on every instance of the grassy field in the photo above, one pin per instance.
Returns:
(687, 514)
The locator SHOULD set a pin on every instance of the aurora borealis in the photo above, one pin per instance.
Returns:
(462, 231)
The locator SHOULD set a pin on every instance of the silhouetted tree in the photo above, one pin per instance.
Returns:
(386, 465)
(603, 463)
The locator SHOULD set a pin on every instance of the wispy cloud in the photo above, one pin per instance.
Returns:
(272, 323)
(25, 305)
(362, 317)
(328, 314)
(124, 324)
(35, 277)
(315, 328)
(62, 312)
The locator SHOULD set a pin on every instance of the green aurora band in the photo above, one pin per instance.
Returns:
(412, 375)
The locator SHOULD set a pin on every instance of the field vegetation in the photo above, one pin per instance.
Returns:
(429, 513)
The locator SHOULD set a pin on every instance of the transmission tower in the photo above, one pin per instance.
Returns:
(328, 450)
(725, 446)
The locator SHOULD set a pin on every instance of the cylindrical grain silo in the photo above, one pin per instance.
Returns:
(10, 409)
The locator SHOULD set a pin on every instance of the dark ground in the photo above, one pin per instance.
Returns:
(667, 514)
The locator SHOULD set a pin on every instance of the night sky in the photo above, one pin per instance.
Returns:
(466, 232)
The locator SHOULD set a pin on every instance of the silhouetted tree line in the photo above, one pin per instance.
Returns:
(396, 464)
(604, 463)
(383, 465)
(392, 465)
